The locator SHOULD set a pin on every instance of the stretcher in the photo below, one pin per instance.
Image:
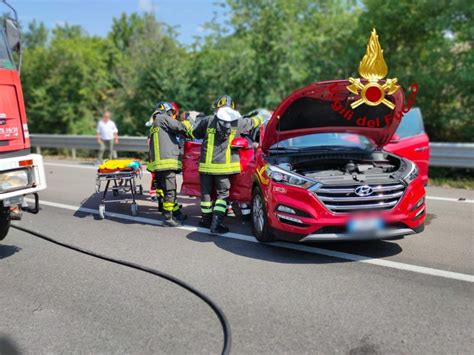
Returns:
(121, 176)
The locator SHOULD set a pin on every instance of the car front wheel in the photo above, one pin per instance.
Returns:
(260, 227)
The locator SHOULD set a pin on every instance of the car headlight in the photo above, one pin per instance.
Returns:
(14, 179)
(285, 177)
(412, 172)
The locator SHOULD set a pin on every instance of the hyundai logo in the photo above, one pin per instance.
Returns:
(363, 191)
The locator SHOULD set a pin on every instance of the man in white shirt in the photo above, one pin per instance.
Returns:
(107, 135)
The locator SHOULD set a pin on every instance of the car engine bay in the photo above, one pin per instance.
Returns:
(376, 167)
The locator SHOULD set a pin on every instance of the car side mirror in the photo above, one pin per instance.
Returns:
(395, 139)
(240, 143)
(13, 34)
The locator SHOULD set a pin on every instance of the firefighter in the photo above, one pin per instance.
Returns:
(166, 157)
(218, 161)
(156, 194)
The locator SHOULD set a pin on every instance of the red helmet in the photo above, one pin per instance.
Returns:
(175, 107)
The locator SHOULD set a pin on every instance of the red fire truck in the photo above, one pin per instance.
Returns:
(21, 173)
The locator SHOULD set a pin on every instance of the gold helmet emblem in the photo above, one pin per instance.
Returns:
(373, 68)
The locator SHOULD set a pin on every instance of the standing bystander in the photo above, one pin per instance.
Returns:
(107, 136)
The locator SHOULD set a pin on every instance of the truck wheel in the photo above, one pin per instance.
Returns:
(260, 227)
(4, 222)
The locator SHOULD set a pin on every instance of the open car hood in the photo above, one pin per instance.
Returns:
(324, 107)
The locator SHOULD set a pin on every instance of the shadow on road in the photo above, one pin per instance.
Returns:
(119, 204)
(6, 251)
(8, 346)
(430, 217)
(267, 252)
(149, 210)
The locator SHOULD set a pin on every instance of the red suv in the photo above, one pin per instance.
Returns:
(316, 175)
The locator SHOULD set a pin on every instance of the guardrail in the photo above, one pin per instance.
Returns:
(459, 155)
(456, 155)
(126, 144)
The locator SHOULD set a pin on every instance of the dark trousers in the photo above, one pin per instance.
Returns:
(166, 180)
(209, 184)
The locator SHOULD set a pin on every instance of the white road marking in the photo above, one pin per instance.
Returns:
(449, 199)
(299, 247)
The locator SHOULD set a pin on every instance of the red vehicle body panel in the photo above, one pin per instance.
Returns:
(414, 144)
(241, 183)
(274, 193)
(13, 123)
(320, 216)
(416, 149)
(330, 91)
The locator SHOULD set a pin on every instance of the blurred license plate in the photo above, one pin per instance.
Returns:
(364, 225)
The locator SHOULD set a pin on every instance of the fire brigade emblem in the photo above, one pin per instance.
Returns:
(373, 68)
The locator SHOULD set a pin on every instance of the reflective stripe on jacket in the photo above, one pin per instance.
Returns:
(164, 146)
(217, 156)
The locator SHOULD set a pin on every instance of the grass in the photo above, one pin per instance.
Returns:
(452, 177)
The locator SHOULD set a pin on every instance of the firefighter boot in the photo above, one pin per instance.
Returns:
(216, 225)
(206, 220)
(169, 220)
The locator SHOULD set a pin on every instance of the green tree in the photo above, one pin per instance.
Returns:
(275, 47)
(257, 51)
(149, 65)
(36, 36)
(430, 42)
(65, 82)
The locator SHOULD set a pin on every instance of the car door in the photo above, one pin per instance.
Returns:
(410, 141)
(191, 185)
(241, 184)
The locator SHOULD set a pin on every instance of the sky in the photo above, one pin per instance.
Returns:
(95, 16)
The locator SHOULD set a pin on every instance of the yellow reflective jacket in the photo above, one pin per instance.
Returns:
(217, 157)
(163, 146)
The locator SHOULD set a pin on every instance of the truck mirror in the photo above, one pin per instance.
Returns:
(13, 34)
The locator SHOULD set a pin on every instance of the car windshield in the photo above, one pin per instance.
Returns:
(326, 140)
(411, 124)
(6, 61)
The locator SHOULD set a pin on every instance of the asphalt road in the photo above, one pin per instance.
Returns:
(413, 295)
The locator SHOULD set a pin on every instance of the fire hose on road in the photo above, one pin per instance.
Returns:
(217, 310)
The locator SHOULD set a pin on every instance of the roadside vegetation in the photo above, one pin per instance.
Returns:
(452, 177)
(256, 51)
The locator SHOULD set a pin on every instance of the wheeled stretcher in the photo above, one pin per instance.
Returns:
(124, 176)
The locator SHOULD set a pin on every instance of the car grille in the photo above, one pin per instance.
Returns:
(344, 200)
